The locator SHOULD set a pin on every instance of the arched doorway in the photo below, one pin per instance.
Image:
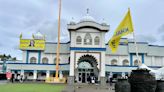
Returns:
(87, 68)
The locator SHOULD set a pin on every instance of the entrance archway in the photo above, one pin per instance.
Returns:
(87, 69)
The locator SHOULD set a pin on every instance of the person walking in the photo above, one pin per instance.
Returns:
(110, 80)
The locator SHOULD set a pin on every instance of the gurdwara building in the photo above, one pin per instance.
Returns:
(86, 54)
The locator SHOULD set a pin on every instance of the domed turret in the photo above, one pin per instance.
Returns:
(72, 22)
(87, 18)
(104, 23)
(38, 35)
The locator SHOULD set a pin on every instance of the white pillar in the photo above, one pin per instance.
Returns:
(35, 75)
(22, 72)
(60, 75)
(102, 72)
(153, 61)
(102, 41)
(119, 60)
(72, 62)
(47, 74)
(162, 61)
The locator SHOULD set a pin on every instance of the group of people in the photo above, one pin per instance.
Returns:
(91, 79)
(17, 78)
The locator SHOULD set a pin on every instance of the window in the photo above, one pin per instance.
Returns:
(78, 40)
(43, 74)
(85, 65)
(88, 39)
(125, 62)
(114, 62)
(32, 60)
(45, 60)
(55, 60)
(69, 60)
(31, 73)
(97, 40)
(136, 63)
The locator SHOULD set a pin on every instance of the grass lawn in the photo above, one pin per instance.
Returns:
(31, 88)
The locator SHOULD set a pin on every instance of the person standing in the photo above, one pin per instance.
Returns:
(93, 79)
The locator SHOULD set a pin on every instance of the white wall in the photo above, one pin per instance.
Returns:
(33, 54)
(35, 67)
(51, 57)
(110, 58)
(73, 38)
(24, 56)
(82, 33)
(72, 62)
(119, 59)
(135, 58)
(148, 60)
(64, 58)
(158, 61)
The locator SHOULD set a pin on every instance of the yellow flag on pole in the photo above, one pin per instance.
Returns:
(124, 28)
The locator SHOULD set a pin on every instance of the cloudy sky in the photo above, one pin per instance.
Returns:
(30, 16)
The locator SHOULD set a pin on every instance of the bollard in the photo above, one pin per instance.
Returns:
(160, 86)
(142, 81)
(122, 85)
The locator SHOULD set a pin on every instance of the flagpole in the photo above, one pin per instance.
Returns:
(136, 48)
(58, 44)
(135, 43)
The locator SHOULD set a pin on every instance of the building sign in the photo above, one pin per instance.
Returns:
(32, 44)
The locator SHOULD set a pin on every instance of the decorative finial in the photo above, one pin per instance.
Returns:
(72, 21)
(33, 36)
(104, 22)
(20, 36)
(87, 11)
(38, 31)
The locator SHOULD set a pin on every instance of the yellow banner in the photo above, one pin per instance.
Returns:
(113, 43)
(125, 27)
(32, 44)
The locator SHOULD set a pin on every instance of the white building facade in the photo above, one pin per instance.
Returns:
(87, 55)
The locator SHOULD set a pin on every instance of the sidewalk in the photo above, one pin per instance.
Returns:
(89, 88)
(3, 82)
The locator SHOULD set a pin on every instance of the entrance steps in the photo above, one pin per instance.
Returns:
(88, 88)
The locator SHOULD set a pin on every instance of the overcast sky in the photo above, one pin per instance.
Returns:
(30, 16)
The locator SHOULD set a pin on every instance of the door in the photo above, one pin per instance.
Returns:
(83, 77)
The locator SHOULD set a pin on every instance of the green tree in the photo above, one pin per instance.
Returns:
(14, 58)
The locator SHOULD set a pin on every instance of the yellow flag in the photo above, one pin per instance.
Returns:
(125, 27)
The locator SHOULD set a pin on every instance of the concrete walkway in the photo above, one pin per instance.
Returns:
(88, 88)
(3, 82)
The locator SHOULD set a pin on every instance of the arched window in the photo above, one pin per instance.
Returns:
(55, 60)
(97, 40)
(136, 63)
(125, 62)
(84, 64)
(88, 39)
(114, 62)
(45, 60)
(78, 40)
(32, 60)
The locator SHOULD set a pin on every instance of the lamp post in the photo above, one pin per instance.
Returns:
(4, 65)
